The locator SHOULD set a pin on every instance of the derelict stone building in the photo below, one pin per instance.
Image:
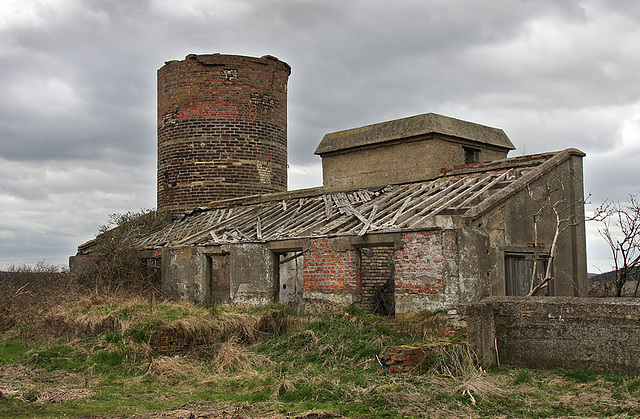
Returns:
(420, 213)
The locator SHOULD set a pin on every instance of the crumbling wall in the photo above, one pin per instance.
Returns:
(252, 274)
(333, 278)
(330, 275)
(222, 129)
(184, 274)
(187, 274)
(419, 272)
(560, 332)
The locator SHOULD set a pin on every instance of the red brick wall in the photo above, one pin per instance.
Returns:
(222, 129)
(329, 270)
(418, 265)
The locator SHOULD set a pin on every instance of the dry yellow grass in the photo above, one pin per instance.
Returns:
(233, 357)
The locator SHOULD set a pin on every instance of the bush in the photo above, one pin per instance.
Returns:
(116, 261)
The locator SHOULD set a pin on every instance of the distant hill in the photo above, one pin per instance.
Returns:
(610, 276)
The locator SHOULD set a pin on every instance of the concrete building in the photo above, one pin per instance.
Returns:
(420, 213)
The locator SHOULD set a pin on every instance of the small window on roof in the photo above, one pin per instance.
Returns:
(471, 155)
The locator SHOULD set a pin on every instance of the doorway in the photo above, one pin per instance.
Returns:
(290, 279)
(377, 273)
(219, 278)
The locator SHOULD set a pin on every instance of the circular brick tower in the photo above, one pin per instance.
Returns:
(222, 129)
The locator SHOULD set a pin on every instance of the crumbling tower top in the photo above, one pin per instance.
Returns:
(222, 129)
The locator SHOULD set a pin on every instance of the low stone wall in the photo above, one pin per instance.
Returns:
(557, 332)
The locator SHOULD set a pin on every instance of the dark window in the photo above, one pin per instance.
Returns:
(518, 269)
(471, 155)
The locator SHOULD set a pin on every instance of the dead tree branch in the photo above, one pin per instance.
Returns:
(553, 201)
(621, 231)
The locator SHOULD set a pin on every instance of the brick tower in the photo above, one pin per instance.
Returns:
(222, 129)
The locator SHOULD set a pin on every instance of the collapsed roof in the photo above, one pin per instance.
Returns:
(467, 192)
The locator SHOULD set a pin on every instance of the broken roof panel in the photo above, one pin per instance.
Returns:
(467, 192)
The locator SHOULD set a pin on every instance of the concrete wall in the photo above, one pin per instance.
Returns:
(252, 274)
(558, 332)
(184, 274)
(187, 274)
(396, 162)
(510, 229)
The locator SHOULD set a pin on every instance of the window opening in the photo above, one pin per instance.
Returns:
(519, 270)
(471, 155)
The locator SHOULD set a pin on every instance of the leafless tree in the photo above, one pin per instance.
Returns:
(552, 201)
(621, 231)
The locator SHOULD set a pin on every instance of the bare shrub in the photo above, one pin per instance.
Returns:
(621, 231)
(28, 292)
(113, 258)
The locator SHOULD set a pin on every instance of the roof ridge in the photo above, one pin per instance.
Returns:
(520, 183)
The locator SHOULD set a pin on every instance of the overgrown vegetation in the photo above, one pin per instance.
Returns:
(114, 255)
(66, 351)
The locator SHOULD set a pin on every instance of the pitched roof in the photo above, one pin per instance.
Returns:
(413, 127)
(468, 192)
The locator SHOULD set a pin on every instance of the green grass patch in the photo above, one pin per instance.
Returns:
(58, 357)
(579, 376)
(523, 376)
(633, 385)
(329, 364)
(13, 350)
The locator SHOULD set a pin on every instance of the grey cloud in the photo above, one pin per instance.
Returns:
(77, 117)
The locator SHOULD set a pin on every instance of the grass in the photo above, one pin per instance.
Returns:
(91, 357)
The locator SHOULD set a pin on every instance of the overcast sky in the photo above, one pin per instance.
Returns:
(78, 83)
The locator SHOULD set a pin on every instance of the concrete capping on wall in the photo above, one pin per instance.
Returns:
(412, 127)
(599, 334)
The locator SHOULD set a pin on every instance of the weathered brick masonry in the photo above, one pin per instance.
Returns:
(418, 264)
(413, 269)
(377, 278)
(328, 269)
(222, 129)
